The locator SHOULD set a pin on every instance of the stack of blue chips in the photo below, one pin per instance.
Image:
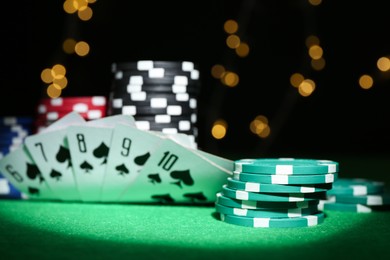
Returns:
(13, 131)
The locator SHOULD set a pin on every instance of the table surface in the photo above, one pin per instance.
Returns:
(43, 230)
(64, 230)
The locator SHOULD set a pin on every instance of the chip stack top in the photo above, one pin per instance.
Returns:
(276, 192)
(160, 95)
(51, 109)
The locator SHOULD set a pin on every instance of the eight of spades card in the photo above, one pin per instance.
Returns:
(176, 174)
(89, 146)
(22, 172)
(130, 150)
(49, 149)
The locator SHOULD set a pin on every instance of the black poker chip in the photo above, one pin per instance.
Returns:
(149, 64)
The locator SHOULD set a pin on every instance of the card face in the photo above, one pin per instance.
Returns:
(72, 118)
(22, 172)
(176, 174)
(89, 147)
(51, 154)
(130, 149)
(112, 121)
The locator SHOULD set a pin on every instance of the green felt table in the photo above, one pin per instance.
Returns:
(63, 230)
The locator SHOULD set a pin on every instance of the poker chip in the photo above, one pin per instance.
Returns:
(275, 197)
(277, 188)
(286, 166)
(358, 195)
(160, 95)
(286, 179)
(8, 191)
(304, 221)
(252, 204)
(13, 131)
(267, 213)
(276, 192)
(144, 65)
(49, 110)
(356, 186)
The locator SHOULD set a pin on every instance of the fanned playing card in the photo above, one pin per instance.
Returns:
(89, 146)
(22, 172)
(176, 174)
(49, 150)
(130, 149)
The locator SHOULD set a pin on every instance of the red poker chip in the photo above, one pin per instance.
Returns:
(93, 101)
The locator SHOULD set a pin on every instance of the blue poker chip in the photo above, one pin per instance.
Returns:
(16, 120)
(8, 191)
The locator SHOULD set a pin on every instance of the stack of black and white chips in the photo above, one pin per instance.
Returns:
(160, 95)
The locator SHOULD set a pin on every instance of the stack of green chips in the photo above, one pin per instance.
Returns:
(276, 192)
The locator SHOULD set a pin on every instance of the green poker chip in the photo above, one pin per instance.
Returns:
(304, 221)
(286, 166)
(252, 204)
(356, 187)
(276, 188)
(285, 179)
(267, 213)
(350, 207)
(271, 197)
(370, 200)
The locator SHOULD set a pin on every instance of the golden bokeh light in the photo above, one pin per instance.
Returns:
(85, 14)
(230, 26)
(316, 52)
(230, 79)
(318, 64)
(315, 2)
(366, 81)
(233, 41)
(82, 48)
(217, 71)
(69, 45)
(312, 40)
(260, 126)
(53, 91)
(219, 129)
(306, 88)
(80, 5)
(296, 79)
(69, 6)
(61, 83)
(383, 64)
(58, 71)
(242, 50)
(46, 76)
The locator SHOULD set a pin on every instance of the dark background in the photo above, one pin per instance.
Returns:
(338, 118)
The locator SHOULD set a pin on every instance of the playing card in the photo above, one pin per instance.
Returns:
(89, 146)
(50, 152)
(21, 171)
(130, 150)
(72, 118)
(176, 174)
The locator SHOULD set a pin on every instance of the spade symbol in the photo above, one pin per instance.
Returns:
(122, 170)
(86, 167)
(33, 191)
(141, 159)
(63, 155)
(154, 177)
(55, 175)
(163, 198)
(33, 172)
(183, 177)
(101, 152)
(195, 196)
